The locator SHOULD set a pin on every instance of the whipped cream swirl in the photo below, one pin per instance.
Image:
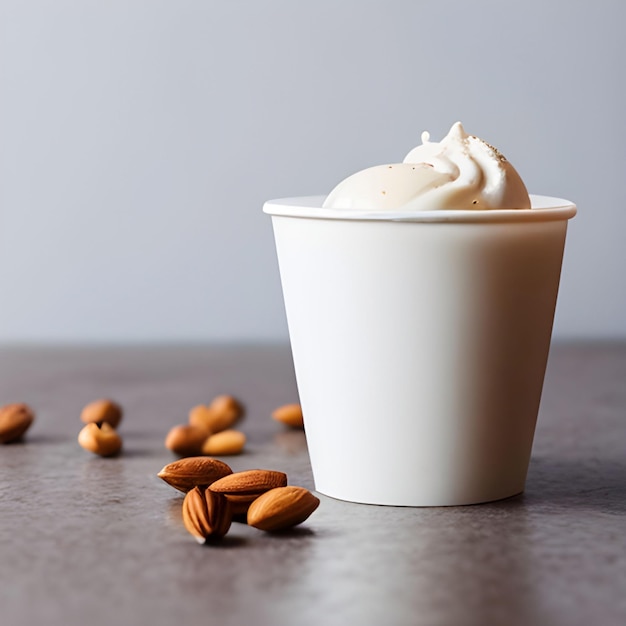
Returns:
(460, 172)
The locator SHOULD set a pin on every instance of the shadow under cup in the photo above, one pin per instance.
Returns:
(420, 343)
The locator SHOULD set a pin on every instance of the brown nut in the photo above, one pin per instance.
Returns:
(203, 416)
(193, 471)
(101, 411)
(227, 404)
(244, 487)
(15, 420)
(282, 508)
(240, 504)
(102, 440)
(290, 415)
(224, 443)
(186, 440)
(206, 514)
(221, 414)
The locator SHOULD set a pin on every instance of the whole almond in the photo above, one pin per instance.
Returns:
(221, 414)
(249, 483)
(193, 471)
(101, 411)
(243, 488)
(206, 514)
(290, 415)
(240, 503)
(224, 443)
(102, 440)
(186, 440)
(15, 420)
(282, 508)
(203, 416)
(227, 404)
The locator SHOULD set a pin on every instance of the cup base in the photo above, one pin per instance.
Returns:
(419, 504)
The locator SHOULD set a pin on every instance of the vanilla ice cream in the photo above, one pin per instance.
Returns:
(460, 172)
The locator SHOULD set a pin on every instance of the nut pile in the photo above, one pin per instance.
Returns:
(209, 430)
(99, 435)
(214, 495)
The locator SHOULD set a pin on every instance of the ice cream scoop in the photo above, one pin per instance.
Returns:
(460, 172)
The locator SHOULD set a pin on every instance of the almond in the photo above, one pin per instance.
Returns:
(224, 443)
(221, 414)
(206, 514)
(290, 415)
(15, 420)
(101, 411)
(227, 404)
(282, 508)
(203, 417)
(243, 488)
(186, 440)
(193, 471)
(241, 503)
(102, 440)
(249, 483)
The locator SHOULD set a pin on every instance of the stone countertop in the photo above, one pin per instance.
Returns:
(85, 540)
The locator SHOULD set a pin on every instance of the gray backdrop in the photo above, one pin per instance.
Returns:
(139, 139)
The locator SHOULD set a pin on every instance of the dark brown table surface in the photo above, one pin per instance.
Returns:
(91, 541)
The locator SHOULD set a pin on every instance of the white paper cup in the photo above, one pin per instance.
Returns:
(420, 344)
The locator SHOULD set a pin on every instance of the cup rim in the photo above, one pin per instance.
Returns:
(543, 209)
